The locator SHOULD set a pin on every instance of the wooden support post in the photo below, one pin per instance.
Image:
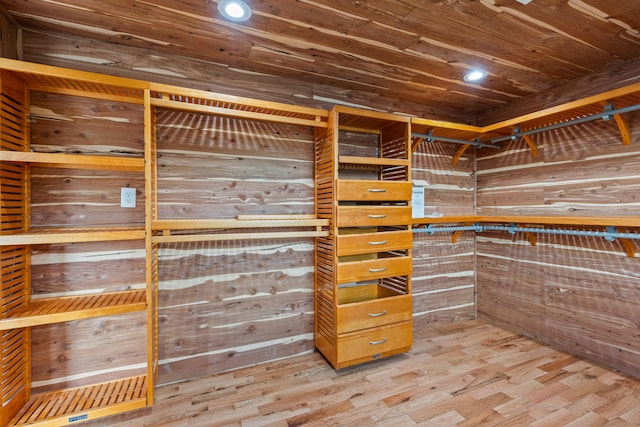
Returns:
(532, 145)
(458, 154)
(629, 247)
(624, 129)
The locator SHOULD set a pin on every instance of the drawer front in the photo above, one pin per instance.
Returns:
(373, 269)
(362, 216)
(365, 243)
(374, 343)
(370, 314)
(356, 190)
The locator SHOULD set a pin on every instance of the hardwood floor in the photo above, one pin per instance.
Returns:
(462, 374)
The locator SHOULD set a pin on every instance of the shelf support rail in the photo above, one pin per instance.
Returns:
(610, 234)
(430, 137)
(609, 113)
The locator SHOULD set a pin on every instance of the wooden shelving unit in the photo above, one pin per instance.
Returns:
(21, 310)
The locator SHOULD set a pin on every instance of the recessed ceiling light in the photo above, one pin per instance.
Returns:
(234, 10)
(524, 1)
(475, 75)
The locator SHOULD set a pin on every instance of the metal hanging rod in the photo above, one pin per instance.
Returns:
(430, 137)
(607, 114)
(610, 234)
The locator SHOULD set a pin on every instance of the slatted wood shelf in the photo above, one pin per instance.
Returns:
(195, 230)
(52, 310)
(79, 83)
(61, 235)
(75, 161)
(64, 407)
(555, 220)
(199, 101)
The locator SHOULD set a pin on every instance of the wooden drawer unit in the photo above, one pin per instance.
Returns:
(363, 243)
(372, 344)
(362, 279)
(363, 216)
(364, 190)
(373, 313)
(358, 271)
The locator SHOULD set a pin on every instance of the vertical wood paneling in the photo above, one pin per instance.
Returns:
(577, 293)
(443, 273)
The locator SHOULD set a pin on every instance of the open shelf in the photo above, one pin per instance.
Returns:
(51, 310)
(63, 407)
(75, 161)
(77, 235)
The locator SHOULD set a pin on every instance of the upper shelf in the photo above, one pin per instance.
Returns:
(48, 78)
(219, 104)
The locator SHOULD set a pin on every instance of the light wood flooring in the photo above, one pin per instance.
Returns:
(462, 374)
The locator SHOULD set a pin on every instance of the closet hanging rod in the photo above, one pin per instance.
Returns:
(430, 137)
(607, 114)
(609, 234)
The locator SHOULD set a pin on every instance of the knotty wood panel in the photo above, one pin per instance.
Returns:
(68, 269)
(63, 352)
(577, 293)
(229, 304)
(84, 197)
(212, 167)
(581, 170)
(447, 190)
(412, 57)
(88, 351)
(443, 279)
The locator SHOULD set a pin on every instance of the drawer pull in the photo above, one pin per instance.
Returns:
(377, 216)
(382, 341)
(382, 313)
(377, 270)
(377, 190)
(381, 242)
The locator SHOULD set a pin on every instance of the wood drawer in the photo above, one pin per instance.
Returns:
(370, 314)
(374, 343)
(358, 190)
(364, 243)
(378, 268)
(362, 216)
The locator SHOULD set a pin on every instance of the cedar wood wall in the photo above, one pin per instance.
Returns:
(230, 304)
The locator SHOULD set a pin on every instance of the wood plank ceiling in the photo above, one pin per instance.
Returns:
(414, 50)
